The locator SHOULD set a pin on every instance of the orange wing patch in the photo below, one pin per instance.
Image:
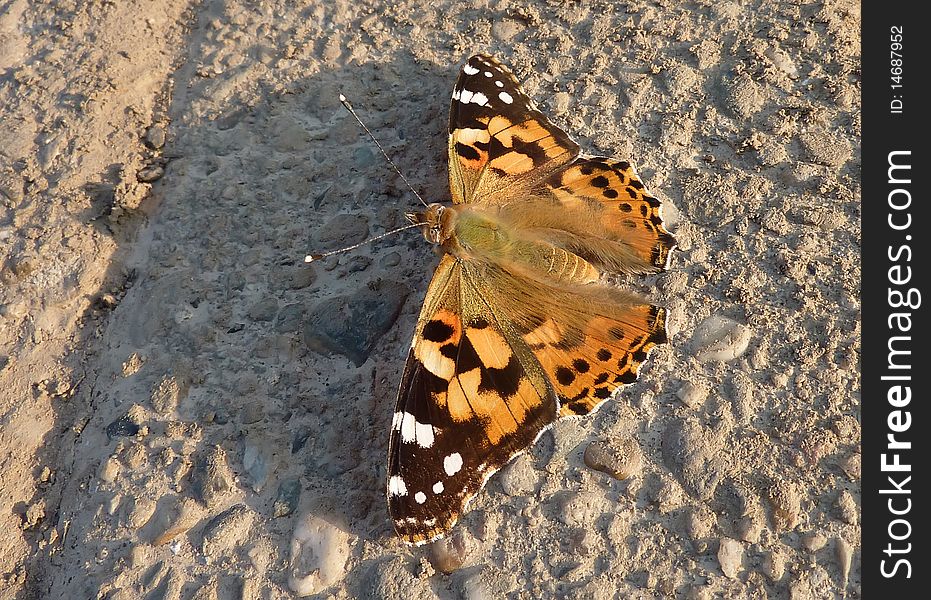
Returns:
(586, 367)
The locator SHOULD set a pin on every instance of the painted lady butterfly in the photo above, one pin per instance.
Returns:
(519, 327)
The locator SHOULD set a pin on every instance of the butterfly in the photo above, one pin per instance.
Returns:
(520, 326)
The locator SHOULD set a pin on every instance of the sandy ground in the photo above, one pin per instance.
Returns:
(177, 420)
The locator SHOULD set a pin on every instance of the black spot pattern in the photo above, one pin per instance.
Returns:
(437, 331)
(581, 365)
(467, 152)
(564, 376)
(604, 354)
(505, 381)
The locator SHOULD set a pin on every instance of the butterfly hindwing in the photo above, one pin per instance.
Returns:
(499, 143)
(629, 213)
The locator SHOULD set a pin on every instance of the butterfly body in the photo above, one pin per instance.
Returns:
(520, 326)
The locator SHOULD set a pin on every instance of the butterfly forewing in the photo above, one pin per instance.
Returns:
(499, 143)
(469, 401)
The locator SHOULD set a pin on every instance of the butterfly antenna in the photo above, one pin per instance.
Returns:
(347, 106)
(318, 256)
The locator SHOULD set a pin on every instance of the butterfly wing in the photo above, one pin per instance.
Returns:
(589, 340)
(471, 397)
(499, 143)
(614, 204)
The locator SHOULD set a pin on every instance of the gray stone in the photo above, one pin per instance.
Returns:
(155, 136)
(720, 338)
(352, 325)
(620, 458)
(256, 466)
(289, 318)
(264, 310)
(519, 478)
(341, 231)
(364, 157)
(289, 494)
(319, 551)
(730, 557)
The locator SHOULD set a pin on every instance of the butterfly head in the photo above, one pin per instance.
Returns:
(436, 222)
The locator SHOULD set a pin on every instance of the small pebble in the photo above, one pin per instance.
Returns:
(134, 456)
(692, 394)
(165, 396)
(720, 338)
(150, 174)
(730, 557)
(786, 505)
(448, 554)
(289, 494)
(155, 136)
(847, 506)
(227, 531)
(699, 522)
(519, 478)
(814, 541)
(750, 528)
(774, 565)
(139, 514)
(109, 469)
(844, 558)
(852, 466)
(319, 551)
(132, 365)
(178, 520)
(477, 586)
(620, 458)
(264, 310)
(255, 465)
(122, 427)
(392, 259)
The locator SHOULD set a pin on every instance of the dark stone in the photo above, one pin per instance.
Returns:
(352, 325)
(289, 494)
(122, 427)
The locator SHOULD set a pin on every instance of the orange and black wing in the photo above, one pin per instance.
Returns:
(500, 145)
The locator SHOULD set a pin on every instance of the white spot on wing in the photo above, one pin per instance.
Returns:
(420, 497)
(499, 83)
(488, 74)
(396, 486)
(469, 69)
(480, 98)
(465, 96)
(505, 97)
(438, 487)
(452, 463)
(408, 428)
(424, 434)
(396, 421)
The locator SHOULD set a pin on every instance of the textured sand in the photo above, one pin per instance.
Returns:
(174, 422)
